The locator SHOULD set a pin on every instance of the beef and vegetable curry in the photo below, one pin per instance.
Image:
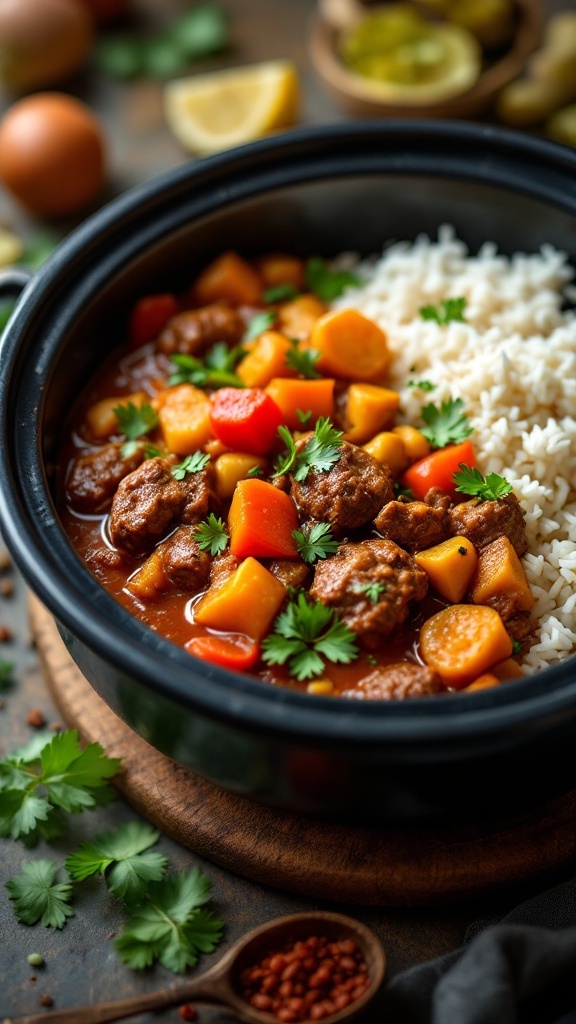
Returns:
(240, 478)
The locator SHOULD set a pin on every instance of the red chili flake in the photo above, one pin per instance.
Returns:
(35, 718)
(187, 1012)
(46, 1000)
(306, 980)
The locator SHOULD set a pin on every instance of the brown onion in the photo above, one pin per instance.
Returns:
(42, 41)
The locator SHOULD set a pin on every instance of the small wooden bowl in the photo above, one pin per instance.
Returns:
(352, 93)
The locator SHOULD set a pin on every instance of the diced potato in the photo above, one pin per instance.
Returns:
(450, 566)
(416, 445)
(320, 687)
(388, 449)
(184, 417)
(150, 580)
(298, 316)
(369, 410)
(266, 360)
(101, 418)
(232, 467)
(247, 602)
(508, 669)
(500, 574)
(484, 682)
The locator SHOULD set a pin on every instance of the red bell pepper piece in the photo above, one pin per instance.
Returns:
(437, 470)
(150, 316)
(245, 419)
(235, 651)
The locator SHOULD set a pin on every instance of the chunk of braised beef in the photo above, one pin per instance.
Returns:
(370, 584)
(348, 495)
(148, 503)
(223, 566)
(196, 330)
(291, 574)
(484, 521)
(520, 627)
(437, 498)
(186, 567)
(401, 681)
(414, 526)
(95, 477)
(200, 495)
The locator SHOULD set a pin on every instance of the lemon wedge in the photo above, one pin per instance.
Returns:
(216, 111)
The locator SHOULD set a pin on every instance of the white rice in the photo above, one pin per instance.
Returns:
(513, 363)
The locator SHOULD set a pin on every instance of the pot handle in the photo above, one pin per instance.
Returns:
(13, 281)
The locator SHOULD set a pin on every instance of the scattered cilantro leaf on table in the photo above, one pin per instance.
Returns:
(320, 452)
(315, 542)
(446, 425)
(70, 778)
(280, 293)
(470, 481)
(305, 633)
(326, 283)
(446, 311)
(303, 360)
(169, 924)
(38, 897)
(134, 421)
(259, 323)
(210, 535)
(194, 463)
(6, 670)
(120, 856)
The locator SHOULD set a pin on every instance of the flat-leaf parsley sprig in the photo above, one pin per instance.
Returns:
(320, 452)
(170, 926)
(326, 283)
(210, 535)
(194, 463)
(49, 775)
(303, 360)
(446, 425)
(316, 541)
(134, 421)
(446, 311)
(215, 371)
(37, 896)
(305, 634)
(470, 481)
(121, 856)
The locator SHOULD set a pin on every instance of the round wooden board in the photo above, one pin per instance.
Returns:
(369, 866)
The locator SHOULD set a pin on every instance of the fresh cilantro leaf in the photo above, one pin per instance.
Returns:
(202, 31)
(371, 660)
(37, 897)
(120, 57)
(373, 591)
(470, 481)
(516, 647)
(422, 385)
(303, 633)
(215, 372)
(285, 462)
(315, 542)
(6, 670)
(150, 450)
(194, 463)
(73, 779)
(446, 425)
(445, 311)
(134, 421)
(169, 925)
(320, 452)
(211, 535)
(327, 284)
(259, 323)
(304, 417)
(256, 471)
(280, 293)
(303, 360)
(404, 492)
(120, 856)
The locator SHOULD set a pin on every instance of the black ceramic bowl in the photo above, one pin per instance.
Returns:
(320, 190)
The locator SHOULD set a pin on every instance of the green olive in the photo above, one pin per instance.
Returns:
(560, 32)
(556, 68)
(527, 102)
(562, 126)
(491, 21)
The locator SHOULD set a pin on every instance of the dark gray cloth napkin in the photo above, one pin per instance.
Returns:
(519, 971)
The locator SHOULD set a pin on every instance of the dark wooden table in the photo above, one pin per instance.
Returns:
(81, 964)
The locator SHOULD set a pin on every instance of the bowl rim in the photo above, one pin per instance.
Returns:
(111, 632)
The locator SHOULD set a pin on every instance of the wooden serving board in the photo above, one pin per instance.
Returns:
(368, 866)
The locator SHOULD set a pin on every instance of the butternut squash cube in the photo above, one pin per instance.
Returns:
(298, 316)
(247, 602)
(230, 467)
(101, 418)
(369, 410)
(389, 450)
(266, 360)
(484, 682)
(500, 576)
(150, 580)
(184, 417)
(450, 566)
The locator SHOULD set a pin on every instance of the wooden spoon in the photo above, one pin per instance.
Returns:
(221, 985)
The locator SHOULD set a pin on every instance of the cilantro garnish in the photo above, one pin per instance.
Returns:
(71, 779)
(320, 452)
(259, 323)
(315, 542)
(446, 425)
(470, 481)
(445, 311)
(304, 417)
(210, 535)
(303, 360)
(404, 492)
(151, 451)
(306, 633)
(328, 284)
(422, 385)
(120, 856)
(38, 897)
(516, 647)
(256, 471)
(280, 293)
(373, 591)
(6, 670)
(216, 371)
(134, 421)
(170, 926)
(194, 463)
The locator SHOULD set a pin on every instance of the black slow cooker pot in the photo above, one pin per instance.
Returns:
(323, 190)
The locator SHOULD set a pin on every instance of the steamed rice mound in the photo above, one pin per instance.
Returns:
(513, 363)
